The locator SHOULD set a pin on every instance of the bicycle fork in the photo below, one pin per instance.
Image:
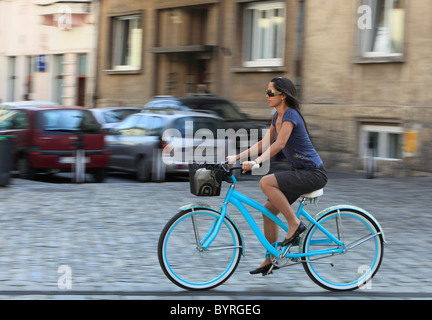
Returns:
(196, 232)
(202, 244)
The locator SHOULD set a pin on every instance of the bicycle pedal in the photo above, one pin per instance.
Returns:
(296, 242)
(268, 272)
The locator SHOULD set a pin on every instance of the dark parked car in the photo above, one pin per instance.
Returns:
(46, 137)
(138, 143)
(213, 105)
(110, 117)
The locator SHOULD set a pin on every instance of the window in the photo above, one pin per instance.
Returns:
(221, 108)
(264, 34)
(140, 125)
(151, 125)
(383, 35)
(114, 116)
(383, 142)
(126, 43)
(68, 120)
(191, 125)
(81, 79)
(14, 120)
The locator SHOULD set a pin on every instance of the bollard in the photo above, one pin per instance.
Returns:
(5, 159)
(79, 166)
(79, 163)
(158, 166)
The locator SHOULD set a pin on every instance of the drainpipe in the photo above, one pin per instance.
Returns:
(98, 17)
(299, 45)
(218, 54)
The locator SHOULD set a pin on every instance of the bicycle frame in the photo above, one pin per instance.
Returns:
(239, 200)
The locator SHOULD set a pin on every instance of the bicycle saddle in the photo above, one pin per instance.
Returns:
(313, 194)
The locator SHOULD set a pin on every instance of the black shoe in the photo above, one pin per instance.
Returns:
(264, 270)
(301, 228)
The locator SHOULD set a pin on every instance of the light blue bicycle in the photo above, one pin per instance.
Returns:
(201, 246)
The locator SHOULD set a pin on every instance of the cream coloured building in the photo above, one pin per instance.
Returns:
(47, 49)
(363, 67)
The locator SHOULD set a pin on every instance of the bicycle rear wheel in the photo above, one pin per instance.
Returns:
(361, 258)
(185, 262)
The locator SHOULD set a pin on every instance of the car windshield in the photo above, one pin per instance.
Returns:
(113, 116)
(3, 109)
(221, 108)
(165, 104)
(190, 125)
(140, 125)
(68, 120)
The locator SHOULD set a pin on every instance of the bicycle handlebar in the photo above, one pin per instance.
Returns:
(255, 166)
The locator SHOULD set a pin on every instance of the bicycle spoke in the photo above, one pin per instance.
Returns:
(360, 241)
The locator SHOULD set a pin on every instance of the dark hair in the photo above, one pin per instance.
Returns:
(286, 86)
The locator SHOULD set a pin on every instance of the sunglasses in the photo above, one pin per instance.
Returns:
(272, 93)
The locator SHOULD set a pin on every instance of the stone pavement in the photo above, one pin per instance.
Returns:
(100, 241)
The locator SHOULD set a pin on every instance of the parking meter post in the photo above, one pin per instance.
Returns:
(5, 160)
(370, 160)
(158, 166)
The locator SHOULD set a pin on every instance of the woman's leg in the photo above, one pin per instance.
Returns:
(277, 201)
(270, 187)
(271, 229)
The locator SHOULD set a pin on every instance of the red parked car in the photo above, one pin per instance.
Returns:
(46, 137)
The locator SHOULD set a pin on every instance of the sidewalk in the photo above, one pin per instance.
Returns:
(106, 234)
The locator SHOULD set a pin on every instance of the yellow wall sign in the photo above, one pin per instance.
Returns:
(411, 142)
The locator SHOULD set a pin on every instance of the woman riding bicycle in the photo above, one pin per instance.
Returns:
(288, 133)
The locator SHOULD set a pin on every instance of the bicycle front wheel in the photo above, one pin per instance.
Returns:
(362, 255)
(185, 262)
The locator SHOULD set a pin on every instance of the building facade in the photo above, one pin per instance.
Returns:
(165, 47)
(362, 67)
(366, 74)
(47, 49)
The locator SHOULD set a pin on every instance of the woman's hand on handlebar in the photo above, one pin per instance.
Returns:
(249, 165)
(246, 166)
(231, 159)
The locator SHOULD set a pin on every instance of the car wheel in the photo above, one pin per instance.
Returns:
(99, 174)
(143, 172)
(25, 171)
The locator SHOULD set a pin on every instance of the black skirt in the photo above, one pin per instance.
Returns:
(295, 182)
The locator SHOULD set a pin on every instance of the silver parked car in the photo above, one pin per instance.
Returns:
(143, 143)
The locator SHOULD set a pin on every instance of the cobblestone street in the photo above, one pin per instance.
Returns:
(87, 241)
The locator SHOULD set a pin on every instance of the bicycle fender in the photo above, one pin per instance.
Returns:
(199, 205)
(335, 208)
(218, 210)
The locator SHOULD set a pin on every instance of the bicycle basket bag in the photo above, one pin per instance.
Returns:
(205, 180)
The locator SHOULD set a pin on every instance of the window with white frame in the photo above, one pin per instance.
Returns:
(381, 28)
(126, 43)
(264, 34)
(383, 142)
